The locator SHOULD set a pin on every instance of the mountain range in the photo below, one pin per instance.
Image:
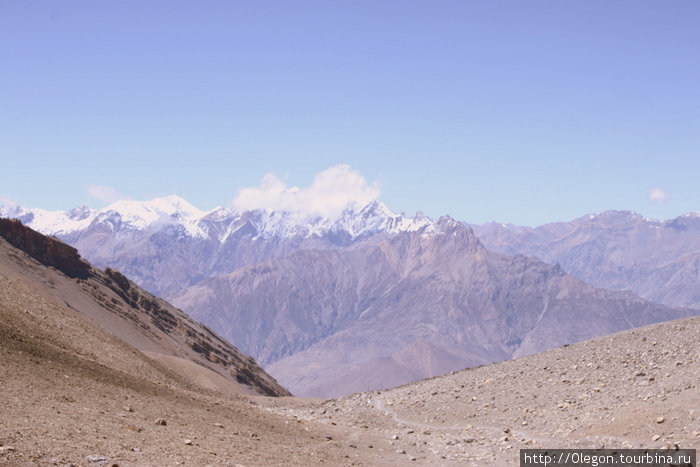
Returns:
(367, 300)
(618, 250)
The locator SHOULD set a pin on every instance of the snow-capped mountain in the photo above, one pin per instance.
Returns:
(121, 215)
(172, 211)
(166, 244)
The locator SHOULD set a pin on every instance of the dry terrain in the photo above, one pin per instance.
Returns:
(76, 393)
(96, 402)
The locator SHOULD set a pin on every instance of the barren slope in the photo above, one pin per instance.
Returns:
(55, 271)
(635, 389)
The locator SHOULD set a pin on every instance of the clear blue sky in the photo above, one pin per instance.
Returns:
(522, 112)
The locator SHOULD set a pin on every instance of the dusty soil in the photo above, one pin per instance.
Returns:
(74, 394)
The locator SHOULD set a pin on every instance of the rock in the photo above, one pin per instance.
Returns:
(188, 442)
(161, 422)
(94, 458)
(128, 408)
(401, 451)
(218, 425)
(394, 436)
(656, 437)
(329, 437)
(6, 449)
(660, 419)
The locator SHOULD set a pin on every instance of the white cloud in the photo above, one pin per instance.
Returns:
(332, 190)
(104, 193)
(658, 195)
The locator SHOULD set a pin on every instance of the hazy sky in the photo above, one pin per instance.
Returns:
(523, 112)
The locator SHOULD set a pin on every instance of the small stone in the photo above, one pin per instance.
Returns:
(188, 442)
(411, 458)
(656, 437)
(394, 436)
(6, 449)
(660, 419)
(161, 422)
(93, 458)
(329, 437)
(218, 425)
(401, 451)
(128, 408)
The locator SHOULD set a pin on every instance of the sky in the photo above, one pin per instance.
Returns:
(522, 112)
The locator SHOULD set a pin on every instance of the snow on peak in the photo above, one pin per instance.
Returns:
(159, 211)
(11, 210)
(141, 214)
(130, 215)
(353, 221)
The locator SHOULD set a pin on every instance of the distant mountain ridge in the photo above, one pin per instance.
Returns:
(618, 250)
(166, 244)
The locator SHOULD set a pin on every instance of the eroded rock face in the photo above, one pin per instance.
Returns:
(47, 250)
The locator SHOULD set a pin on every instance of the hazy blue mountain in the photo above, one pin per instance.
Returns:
(618, 250)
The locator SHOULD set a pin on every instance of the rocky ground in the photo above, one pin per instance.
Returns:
(635, 389)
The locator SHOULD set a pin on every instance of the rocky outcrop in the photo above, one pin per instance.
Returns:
(47, 250)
